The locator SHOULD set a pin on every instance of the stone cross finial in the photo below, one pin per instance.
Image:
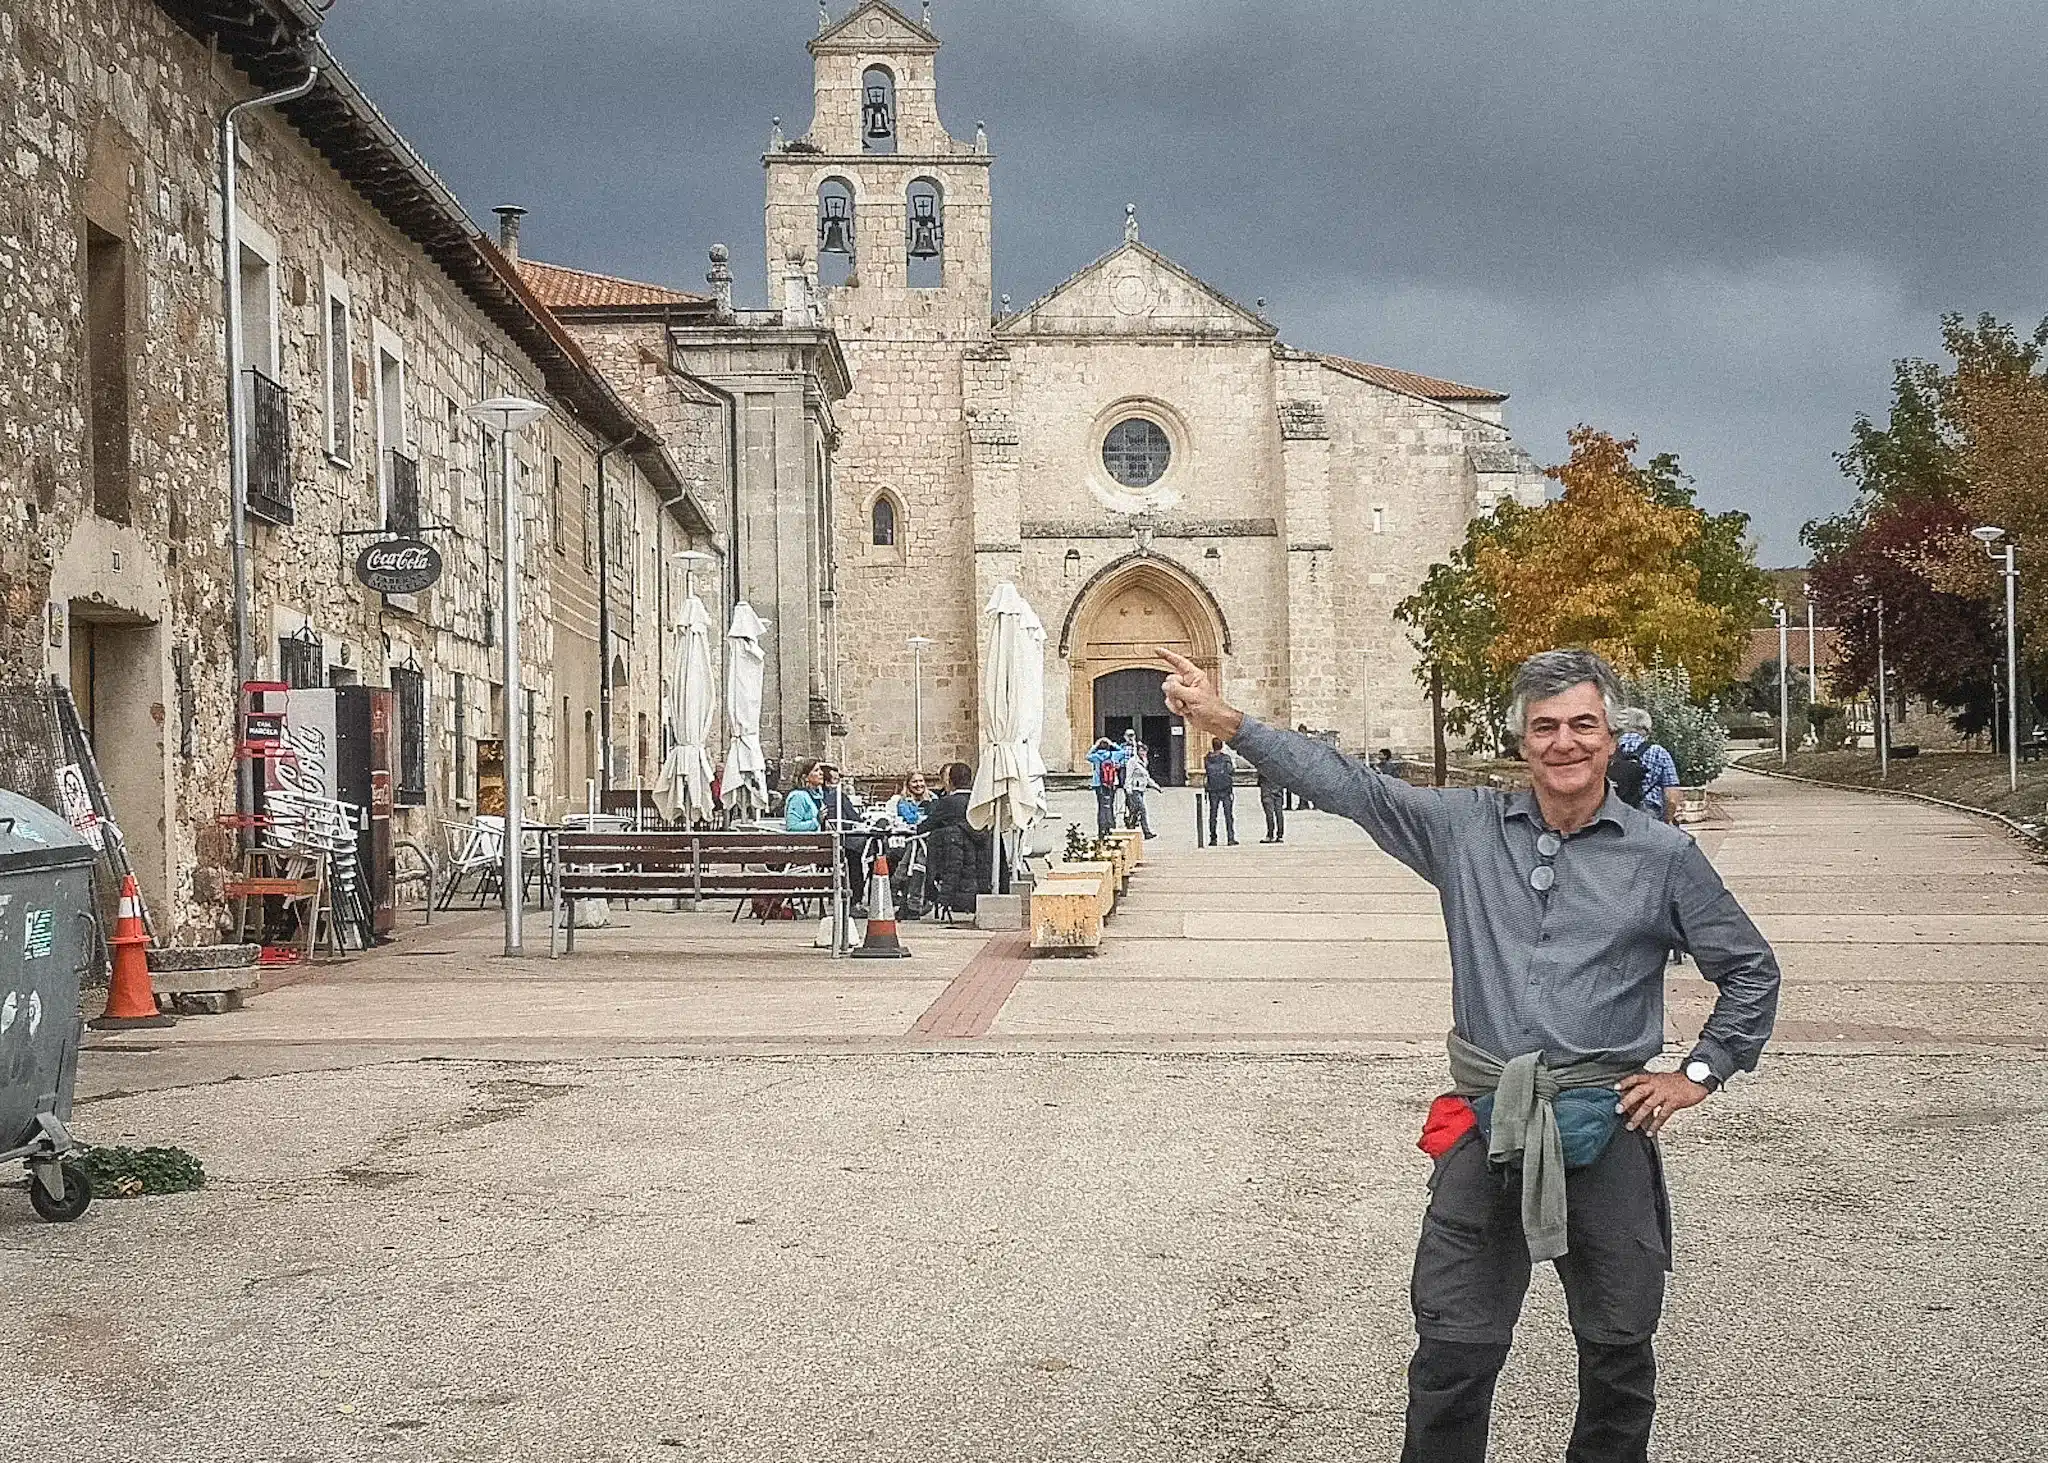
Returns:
(1130, 223)
(720, 280)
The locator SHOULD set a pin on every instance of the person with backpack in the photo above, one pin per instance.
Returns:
(1640, 769)
(1106, 764)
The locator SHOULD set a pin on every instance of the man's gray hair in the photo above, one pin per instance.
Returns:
(1634, 719)
(1555, 672)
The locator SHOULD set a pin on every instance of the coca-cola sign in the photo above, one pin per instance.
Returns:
(399, 566)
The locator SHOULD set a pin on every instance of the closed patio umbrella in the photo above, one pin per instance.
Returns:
(745, 786)
(1008, 794)
(686, 775)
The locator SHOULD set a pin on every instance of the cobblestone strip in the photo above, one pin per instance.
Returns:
(967, 1008)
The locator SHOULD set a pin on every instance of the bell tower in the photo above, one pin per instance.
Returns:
(889, 209)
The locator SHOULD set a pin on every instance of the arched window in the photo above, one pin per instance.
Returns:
(882, 522)
(925, 237)
(878, 110)
(835, 232)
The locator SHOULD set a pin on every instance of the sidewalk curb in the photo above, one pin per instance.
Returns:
(2036, 841)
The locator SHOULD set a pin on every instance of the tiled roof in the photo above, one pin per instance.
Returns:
(579, 289)
(1763, 648)
(1408, 381)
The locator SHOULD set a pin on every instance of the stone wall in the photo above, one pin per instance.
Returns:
(112, 112)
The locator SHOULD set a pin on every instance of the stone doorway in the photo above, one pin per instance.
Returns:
(1112, 640)
(1134, 700)
(117, 682)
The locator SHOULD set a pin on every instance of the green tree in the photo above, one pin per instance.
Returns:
(1453, 621)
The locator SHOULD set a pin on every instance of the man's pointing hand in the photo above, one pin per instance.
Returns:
(1190, 693)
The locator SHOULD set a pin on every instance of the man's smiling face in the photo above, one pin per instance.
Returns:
(1567, 741)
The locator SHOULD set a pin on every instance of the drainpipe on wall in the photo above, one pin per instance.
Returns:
(238, 445)
(604, 623)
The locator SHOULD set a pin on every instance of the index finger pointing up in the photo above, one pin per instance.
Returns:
(1182, 666)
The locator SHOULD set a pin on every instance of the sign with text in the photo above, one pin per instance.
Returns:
(399, 566)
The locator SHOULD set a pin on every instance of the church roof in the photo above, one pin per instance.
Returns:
(1408, 382)
(562, 288)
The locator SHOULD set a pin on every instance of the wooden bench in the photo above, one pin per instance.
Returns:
(695, 866)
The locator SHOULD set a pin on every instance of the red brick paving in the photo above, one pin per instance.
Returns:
(967, 1008)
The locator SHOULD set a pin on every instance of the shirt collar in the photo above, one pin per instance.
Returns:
(1522, 804)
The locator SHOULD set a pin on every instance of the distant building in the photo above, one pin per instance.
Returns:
(1142, 455)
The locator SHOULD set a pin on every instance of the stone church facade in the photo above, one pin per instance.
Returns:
(1142, 455)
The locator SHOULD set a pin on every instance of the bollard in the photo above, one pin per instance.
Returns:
(1201, 797)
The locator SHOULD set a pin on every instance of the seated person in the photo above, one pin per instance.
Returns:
(803, 810)
(911, 803)
(959, 857)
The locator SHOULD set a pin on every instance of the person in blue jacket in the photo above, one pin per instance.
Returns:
(802, 810)
(1107, 762)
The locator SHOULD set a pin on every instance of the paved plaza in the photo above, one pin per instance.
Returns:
(699, 1192)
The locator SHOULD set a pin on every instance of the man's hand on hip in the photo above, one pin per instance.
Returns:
(1648, 1099)
(1190, 693)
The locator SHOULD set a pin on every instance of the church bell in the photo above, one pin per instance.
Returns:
(835, 229)
(877, 122)
(926, 232)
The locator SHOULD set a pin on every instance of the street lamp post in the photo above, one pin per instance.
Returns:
(1784, 683)
(509, 414)
(1994, 539)
(1884, 716)
(917, 644)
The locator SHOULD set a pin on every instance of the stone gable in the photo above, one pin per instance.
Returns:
(1136, 291)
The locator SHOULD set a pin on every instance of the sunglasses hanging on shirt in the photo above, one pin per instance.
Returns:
(1543, 877)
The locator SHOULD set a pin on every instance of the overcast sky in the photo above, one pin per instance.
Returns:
(1711, 226)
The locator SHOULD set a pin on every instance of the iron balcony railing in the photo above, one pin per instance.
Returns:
(269, 443)
(403, 515)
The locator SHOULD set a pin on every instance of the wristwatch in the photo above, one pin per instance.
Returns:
(1698, 1071)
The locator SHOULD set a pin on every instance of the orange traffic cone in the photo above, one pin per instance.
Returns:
(131, 1002)
(881, 942)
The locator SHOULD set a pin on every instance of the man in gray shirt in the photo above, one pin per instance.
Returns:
(1560, 904)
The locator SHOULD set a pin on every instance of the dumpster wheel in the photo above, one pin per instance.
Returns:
(76, 1200)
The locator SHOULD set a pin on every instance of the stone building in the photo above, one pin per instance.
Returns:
(372, 314)
(744, 399)
(1143, 456)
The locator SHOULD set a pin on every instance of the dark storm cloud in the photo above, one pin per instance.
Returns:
(1712, 226)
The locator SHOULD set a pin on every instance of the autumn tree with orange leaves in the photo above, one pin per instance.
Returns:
(1610, 568)
(1623, 563)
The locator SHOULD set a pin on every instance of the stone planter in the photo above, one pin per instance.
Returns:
(1691, 805)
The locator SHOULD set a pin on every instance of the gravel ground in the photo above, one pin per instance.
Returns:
(934, 1257)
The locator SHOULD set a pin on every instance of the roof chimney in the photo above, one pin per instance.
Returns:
(509, 215)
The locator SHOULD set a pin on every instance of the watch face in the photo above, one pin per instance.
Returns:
(1698, 1071)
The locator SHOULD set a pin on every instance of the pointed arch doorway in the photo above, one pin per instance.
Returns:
(1111, 640)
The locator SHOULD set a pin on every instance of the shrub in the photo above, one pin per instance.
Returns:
(1829, 725)
(1693, 735)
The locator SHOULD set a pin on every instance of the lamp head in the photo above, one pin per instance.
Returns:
(692, 557)
(1987, 535)
(506, 413)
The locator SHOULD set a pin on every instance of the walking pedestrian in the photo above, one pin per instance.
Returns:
(1560, 902)
(1219, 781)
(1106, 766)
(1641, 769)
(1273, 802)
(1137, 782)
